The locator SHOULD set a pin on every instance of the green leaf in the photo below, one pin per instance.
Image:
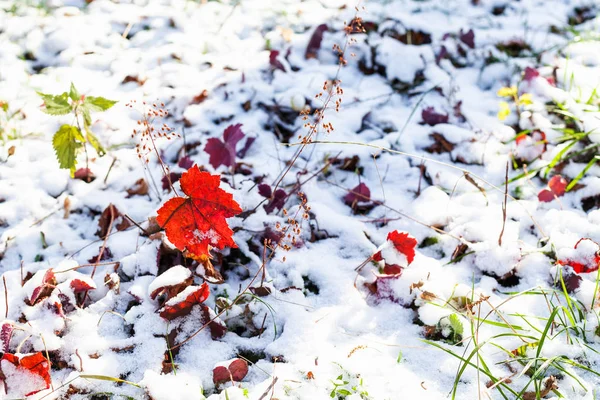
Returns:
(98, 103)
(4, 106)
(456, 325)
(73, 93)
(87, 118)
(67, 140)
(93, 140)
(56, 105)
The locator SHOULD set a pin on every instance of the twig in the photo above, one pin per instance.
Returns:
(110, 169)
(5, 296)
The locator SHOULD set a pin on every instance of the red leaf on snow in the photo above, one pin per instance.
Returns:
(557, 184)
(467, 38)
(556, 187)
(404, 243)
(218, 329)
(6, 335)
(235, 371)
(35, 364)
(222, 152)
(530, 74)
(314, 44)
(265, 190)
(79, 286)
(45, 288)
(193, 295)
(360, 193)
(584, 263)
(173, 176)
(185, 162)
(277, 201)
(198, 222)
(274, 62)
(432, 118)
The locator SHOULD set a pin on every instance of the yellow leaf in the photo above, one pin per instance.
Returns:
(525, 99)
(504, 111)
(507, 91)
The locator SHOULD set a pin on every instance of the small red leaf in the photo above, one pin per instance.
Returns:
(182, 304)
(44, 289)
(79, 286)
(274, 62)
(222, 152)
(557, 184)
(432, 118)
(186, 162)
(35, 364)
(235, 370)
(467, 38)
(198, 222)
(6, 335)
(265, 190)
(404, 243)
(218, 329)
(314, 44)
(545, 196)
(360, 193)
(530, 74)
(277, 202)
(583, 260)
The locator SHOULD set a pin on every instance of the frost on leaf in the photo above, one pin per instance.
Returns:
(233, 370)
(222, 152)
(170, 283)
(182, 304)
(198, 222)
(25, 375)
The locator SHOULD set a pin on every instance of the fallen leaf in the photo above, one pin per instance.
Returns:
(234, 370)
(35, 364)
(140, 188)
(200, 97)
(314, 44)
(183, 303)
(197, 222)
(5, 336)
(432, 118)
(274, 62)
(44, 289)
(217, 327)
(222, 152)
(360, 193)
(467, 38)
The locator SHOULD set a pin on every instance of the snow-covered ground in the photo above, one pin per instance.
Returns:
(422, 80)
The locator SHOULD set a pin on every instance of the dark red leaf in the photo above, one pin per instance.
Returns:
(274, 62)
(84, 174)
(314, 44)
(235, 370)
(174, 309)
(222, 152)
(173, 176)
(360, 193)
(218, 329)
(111, 213)
(432, 118)
(45, 288)
(277, 201)
(106, 255)
(6, 335)
(247, 145)
(467, 38)
(392, 269)
(265, 190)
(185, 162)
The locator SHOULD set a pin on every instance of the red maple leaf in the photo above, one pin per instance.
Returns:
(198, 222)
(585, 262)
(222, 152)
(191, 296)
(404, 243)
(35, 364)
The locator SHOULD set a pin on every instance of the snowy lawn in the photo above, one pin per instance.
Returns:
(260, 199)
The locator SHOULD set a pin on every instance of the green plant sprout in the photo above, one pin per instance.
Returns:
(69, 139)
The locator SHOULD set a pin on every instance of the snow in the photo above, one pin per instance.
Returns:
(320, 317)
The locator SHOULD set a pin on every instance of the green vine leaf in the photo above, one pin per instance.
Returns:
(67, 140)
(73, 93)
(56, 104)
(98, 103)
